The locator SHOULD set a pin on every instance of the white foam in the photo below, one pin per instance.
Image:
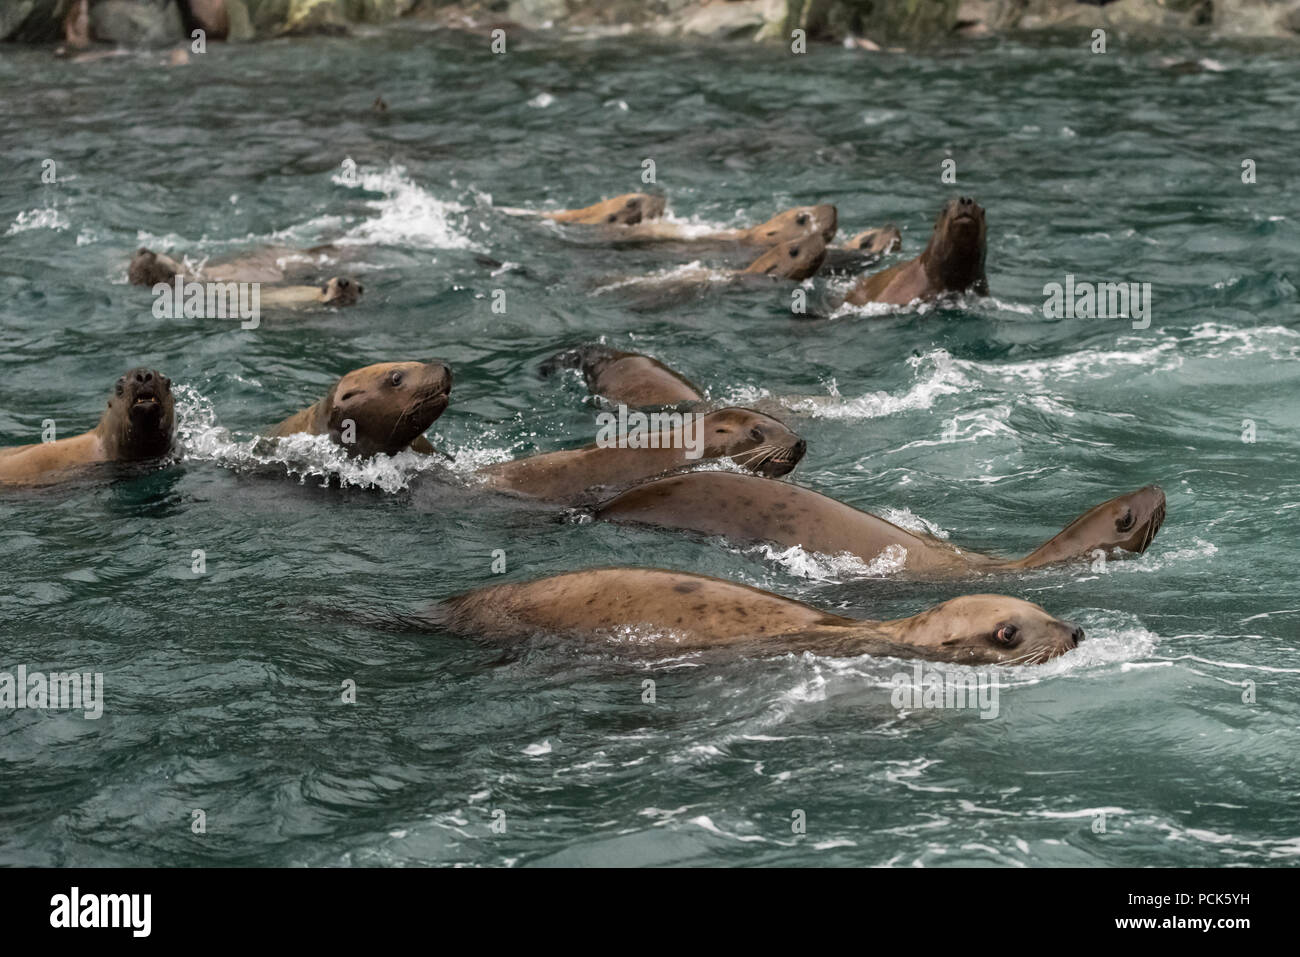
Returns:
(200, 438)
(845, 566)
(407, 215)
(906, 518)
(690, 272)
(37, 219)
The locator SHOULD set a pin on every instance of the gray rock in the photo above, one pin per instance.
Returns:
(136, 22)
(32, 21)
(241, 24)
(742, 19)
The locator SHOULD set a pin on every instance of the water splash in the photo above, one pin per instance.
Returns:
(201, 439)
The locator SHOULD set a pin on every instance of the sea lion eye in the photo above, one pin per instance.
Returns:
(802, 219)
(1006, 634)
(325, 287)
(1126, 521)
(120, 386)
(395, 378)
(756, 434)
(794, 252)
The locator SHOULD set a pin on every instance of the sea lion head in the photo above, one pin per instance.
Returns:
(652, 205)
(989, 629)
(140, 422)
(626, 210)
(341, 291)
(879, 241)
(631, 208)
(756, 442)
(385, 407)
(796, 259)
(796, 223)
(955, 254)
(149, 268)
(1126, 522)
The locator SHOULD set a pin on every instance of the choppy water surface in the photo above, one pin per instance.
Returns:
(987, 422)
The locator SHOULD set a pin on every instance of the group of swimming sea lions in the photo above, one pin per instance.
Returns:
(386, 409)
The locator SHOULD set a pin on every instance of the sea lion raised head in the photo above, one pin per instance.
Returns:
(754, 441)
(341, 291)
(987, 629)
(954, 257)
(140, 421)
(139, 424)
(386, 406)
(1127, 522)
(796, 259)
(879, 241)
(149, 268)
(822, 220)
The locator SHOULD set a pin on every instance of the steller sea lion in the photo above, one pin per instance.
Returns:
(381, 408)
(795, 260)
(879, 241)
(337, 291)
(798, 259)
(752, 440)
(864, 250)
(801, 221)
(269, 264)
(139, 424)
(626, 210)
(651, 611)
(745, 508)
(953, 262)
(149, 268)
(628, 378)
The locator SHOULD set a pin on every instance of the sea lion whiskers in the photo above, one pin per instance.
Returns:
(750, 458)
(412, 408)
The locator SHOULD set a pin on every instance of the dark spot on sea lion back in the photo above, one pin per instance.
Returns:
(685, 588)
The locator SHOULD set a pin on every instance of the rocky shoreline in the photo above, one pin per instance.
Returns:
(79, 24)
